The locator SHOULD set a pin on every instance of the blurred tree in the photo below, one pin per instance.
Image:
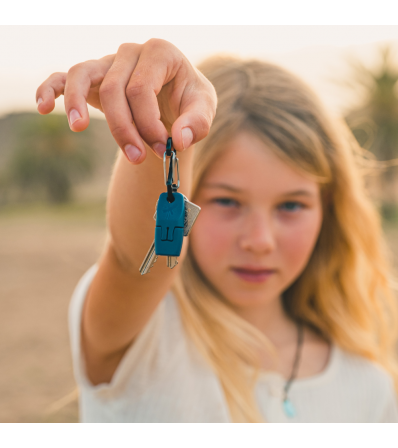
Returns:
(48, 155)
(375, 122)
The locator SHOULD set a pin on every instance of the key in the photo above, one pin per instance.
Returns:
(150, 257)
(149, 260)
(191, 213)
(156, 207)
(172, 262)
(174, 220)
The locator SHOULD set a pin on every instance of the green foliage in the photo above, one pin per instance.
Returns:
(48, 155)
(375, 122)
(389, 213)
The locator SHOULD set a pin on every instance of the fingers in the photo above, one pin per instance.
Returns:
(157, 65)
(81, 78)
(187, 100)
(48, 91)
(198, 109)
(142, 90)
(115, 106)
(77, 87)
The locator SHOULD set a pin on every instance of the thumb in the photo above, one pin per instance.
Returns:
(195, 121)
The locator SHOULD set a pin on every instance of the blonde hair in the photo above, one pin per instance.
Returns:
(344, 291)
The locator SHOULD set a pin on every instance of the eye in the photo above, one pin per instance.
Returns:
(225, 202)
(291, 206)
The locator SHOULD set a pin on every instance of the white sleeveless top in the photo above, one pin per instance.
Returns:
(163, 378)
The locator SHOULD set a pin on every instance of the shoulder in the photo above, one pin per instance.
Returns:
(161, 339)
(364, 371)
(368, 382)
(351, 388)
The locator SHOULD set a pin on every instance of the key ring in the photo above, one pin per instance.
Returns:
(173, 166)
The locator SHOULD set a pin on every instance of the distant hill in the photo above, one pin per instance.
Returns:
(95, 187)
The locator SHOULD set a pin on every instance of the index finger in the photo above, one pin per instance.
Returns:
(157, 65)
(81, 78)
(115, 105)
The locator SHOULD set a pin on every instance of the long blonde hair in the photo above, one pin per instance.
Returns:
(344, 291)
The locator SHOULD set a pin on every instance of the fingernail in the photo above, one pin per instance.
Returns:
(159, 148)
(132, 152)
(74, 116)
(40, 100)
(187, 137)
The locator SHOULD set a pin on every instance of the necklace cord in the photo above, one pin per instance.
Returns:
(300, 334)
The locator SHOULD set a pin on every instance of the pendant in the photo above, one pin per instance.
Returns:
(289, 408)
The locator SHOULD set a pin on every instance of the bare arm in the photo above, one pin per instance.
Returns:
(146, 92)
(120, 300)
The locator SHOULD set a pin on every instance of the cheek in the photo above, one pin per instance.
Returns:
(297, 242)
(210, 239)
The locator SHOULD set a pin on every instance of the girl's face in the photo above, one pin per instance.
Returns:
(259, 222)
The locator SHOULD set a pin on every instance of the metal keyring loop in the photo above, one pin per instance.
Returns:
(172, 187)
(178, 173)
(171, 167)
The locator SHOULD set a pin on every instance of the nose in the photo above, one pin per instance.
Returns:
(257, 233)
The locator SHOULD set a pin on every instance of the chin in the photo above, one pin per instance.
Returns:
(243, 293)
(249, 300)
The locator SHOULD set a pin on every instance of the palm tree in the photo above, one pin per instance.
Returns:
(375, 122)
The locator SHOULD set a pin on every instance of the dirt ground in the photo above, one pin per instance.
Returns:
(43, 254)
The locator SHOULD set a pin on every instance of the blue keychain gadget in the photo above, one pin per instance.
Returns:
(175, 215)
(169, 231)
(170, 211)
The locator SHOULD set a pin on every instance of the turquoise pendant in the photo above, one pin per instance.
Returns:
(289, 408)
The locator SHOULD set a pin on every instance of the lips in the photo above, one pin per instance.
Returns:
(253, 274)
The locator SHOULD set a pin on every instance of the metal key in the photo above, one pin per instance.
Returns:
(150, 257)
(172, 262)
(191, 213)
(149, 260)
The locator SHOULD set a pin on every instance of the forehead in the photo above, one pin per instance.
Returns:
(249, 165)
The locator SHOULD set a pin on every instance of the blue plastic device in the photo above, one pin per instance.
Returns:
(169, 231)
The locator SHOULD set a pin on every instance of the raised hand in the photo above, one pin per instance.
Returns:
(147, 93)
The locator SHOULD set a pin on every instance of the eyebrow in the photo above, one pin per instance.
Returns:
(237, 190)
(223, 186)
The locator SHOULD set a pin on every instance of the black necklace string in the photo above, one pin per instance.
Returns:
(300, 334)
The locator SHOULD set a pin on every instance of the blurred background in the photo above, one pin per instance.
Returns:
(53, 182)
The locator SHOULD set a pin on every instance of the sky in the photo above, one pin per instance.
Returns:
(318, 54)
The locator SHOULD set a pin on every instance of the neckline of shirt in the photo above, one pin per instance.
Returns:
(320, 377)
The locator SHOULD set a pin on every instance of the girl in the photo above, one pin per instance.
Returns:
(280, 308)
